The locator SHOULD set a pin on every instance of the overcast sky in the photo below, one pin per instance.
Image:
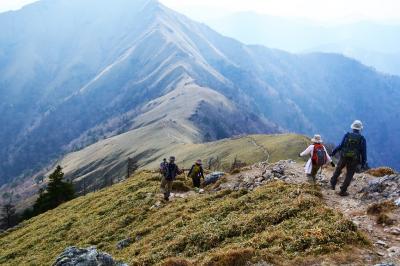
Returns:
(323, 10)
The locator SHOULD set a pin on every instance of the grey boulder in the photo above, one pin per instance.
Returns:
(73, 256)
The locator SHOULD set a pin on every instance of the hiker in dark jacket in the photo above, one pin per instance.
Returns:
(169, 177)
(353, 151)
(196, 172)
(163, 167)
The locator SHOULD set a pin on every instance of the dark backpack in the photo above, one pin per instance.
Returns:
(172, 172)
(352, 146)
(319, 155)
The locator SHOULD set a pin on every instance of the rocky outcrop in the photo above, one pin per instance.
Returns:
(73, 256)
(386, 187)
(259, 174)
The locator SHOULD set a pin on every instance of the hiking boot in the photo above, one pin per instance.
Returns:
(343, 193)
(166, 197)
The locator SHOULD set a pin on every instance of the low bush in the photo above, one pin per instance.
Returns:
(381, 207)
(381, 171)
(176, 262)
(384, 219)
(235, 257)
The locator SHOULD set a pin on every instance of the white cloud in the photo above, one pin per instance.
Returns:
(6, 5)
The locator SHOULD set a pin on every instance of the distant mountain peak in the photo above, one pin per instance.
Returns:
(83, 71)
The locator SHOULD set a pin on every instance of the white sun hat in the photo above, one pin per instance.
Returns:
(357, 125)
(317, 139)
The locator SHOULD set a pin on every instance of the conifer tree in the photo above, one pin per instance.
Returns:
(56, 193)
(8, 215)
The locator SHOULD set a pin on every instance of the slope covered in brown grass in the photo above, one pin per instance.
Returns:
(279, 223)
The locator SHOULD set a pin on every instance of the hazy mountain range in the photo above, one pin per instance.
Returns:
(371, 43)
(73, 73)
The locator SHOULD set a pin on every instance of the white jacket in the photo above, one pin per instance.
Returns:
(310, 151)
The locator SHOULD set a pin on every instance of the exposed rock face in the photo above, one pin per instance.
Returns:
(213, 178)
(73, 256)
(387, 187)
(260, 174)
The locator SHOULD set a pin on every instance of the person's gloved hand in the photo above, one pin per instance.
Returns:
(333, 164)
(299, 155)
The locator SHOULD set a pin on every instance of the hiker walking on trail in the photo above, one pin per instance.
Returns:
(196, 172)
(318, 157)
(169, 177)
(353, 151)
(163, 167)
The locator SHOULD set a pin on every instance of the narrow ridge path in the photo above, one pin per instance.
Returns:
(263, 149)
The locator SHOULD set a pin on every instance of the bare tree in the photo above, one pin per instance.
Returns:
(84, 187)
(237, 164)
(8, 216)
(214, 163)
(131, 167)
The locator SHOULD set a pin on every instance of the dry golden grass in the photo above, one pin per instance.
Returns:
(384, 219)
(381, 210)
(381, 207)
(381, 171)
(276, 223)
(234, 257)
(176, 262)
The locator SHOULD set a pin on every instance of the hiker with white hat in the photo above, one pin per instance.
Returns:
(318, 157)
(196, 173)
(353, 151)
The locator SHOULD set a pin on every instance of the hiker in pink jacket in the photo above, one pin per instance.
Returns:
(318, 157)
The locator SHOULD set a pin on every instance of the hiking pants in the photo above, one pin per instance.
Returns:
(314, 170)
(196, 181)
(166, 187)
(351, 166)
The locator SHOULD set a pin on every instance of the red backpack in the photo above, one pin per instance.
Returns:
(319, 157)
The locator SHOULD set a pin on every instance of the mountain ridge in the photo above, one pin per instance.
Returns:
(281, 91)
(353, 39)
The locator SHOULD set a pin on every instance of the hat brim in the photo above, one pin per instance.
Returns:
(317, 141)
(356, 128)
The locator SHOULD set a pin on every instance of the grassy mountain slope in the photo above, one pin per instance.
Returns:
(279, 223)
(97, 162)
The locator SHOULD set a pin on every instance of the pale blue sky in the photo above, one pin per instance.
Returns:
(325, 10)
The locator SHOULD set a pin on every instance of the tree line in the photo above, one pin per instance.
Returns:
(57, 192)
